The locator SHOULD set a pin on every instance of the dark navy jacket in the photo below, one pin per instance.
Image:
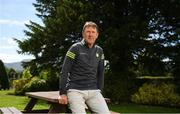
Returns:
(83, 68)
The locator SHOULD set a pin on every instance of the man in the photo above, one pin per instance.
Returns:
(82, 76)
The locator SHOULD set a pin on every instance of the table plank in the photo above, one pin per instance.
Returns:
(50, 96)
(5, 111)
(9, 110)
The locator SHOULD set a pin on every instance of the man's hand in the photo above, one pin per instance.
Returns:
(63, 99)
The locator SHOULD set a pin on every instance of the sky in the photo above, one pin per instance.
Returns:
(14, 14)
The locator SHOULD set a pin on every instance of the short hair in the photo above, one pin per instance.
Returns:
(90, 24)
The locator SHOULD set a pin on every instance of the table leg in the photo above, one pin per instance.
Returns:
(58, 108)
(30, 105)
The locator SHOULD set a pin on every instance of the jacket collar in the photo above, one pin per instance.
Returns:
(85, 44)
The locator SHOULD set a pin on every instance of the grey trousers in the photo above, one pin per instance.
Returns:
(81, 99)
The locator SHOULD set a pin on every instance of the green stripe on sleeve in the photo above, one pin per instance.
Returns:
(70, 54)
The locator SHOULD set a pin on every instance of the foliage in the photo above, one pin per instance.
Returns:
(18, 85)
(116, 90)
(26, 74)
(154, 79)
(135, 35)
(13, 75)
(35, 84)
(157, 94)
(29, 83)
(4, 79)
(51, 78)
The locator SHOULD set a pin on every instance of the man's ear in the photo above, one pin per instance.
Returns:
(97, 35)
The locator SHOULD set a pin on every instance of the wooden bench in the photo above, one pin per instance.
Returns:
(9, 110)
(51, 97)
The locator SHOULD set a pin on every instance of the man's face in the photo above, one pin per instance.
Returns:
(90, 35)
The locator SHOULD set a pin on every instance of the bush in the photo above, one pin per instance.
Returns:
(36, 84)
(157, 94)
(51, 77)
(47, 80)
(19, 84)
(27, 84)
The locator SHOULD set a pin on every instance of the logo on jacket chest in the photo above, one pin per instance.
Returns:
(97, 55)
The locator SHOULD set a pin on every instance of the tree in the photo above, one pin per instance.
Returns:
(133, 34)
(12, 74)
(47, 43)
(4, 80)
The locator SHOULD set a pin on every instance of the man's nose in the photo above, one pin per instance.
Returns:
(90, 33)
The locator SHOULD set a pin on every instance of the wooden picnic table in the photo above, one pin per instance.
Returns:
(51, 97)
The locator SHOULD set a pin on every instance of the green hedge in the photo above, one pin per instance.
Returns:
(157, 94)
(36, 84)
(46, 80)
(19, 84)
(28, 85)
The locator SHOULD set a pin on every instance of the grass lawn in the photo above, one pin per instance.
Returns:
(135, 108)
(8, 100)
(20, 102)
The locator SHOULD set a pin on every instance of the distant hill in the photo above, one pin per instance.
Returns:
(15, 65)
